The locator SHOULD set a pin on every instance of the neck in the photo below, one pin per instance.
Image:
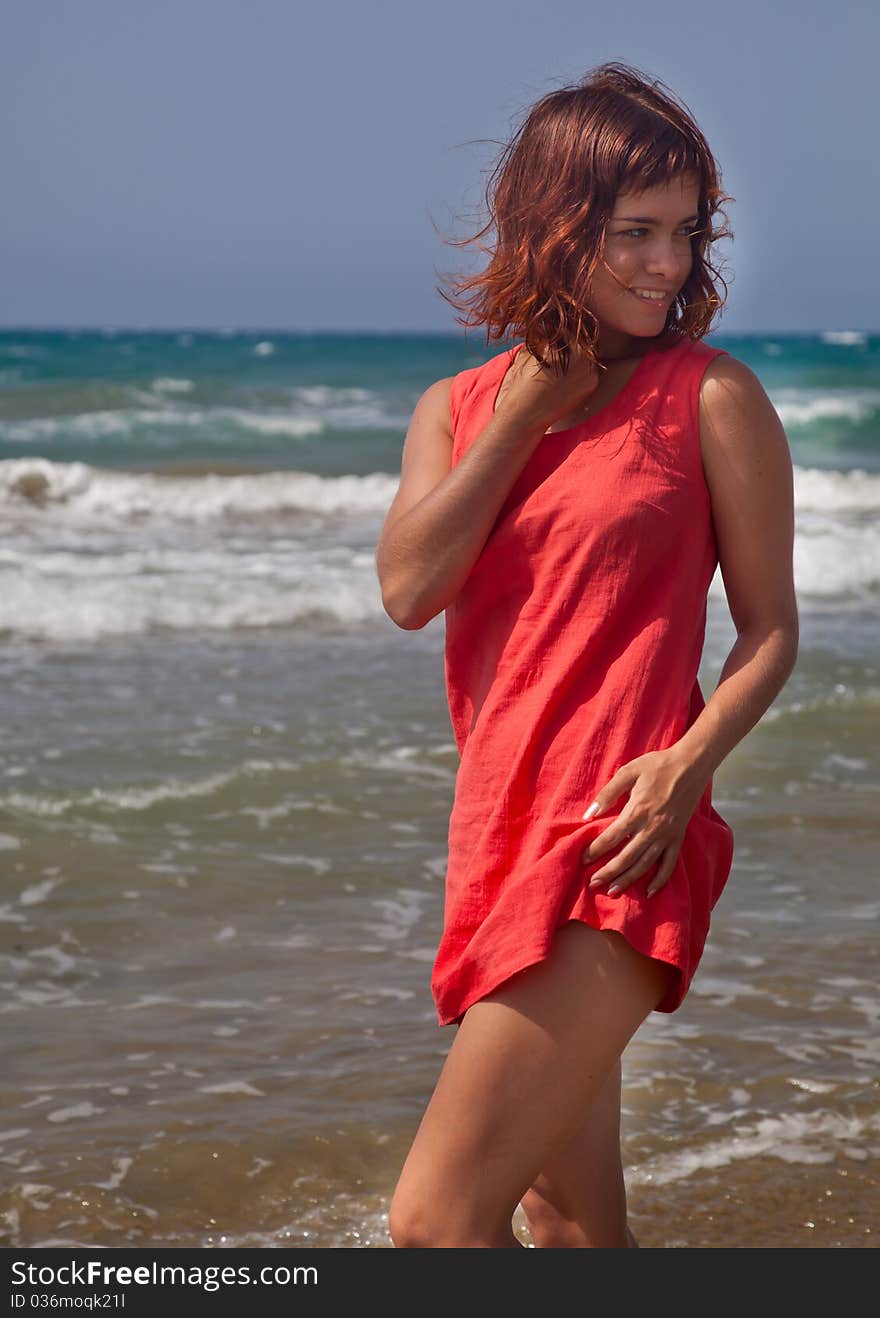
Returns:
(624, 348)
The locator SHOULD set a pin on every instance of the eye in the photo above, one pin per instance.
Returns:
(635, 233)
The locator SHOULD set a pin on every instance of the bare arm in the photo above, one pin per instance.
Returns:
(441, 515)
(749, 474)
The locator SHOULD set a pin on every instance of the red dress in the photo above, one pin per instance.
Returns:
(573, 647)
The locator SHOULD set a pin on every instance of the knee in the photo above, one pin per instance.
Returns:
(415, 1222)
(422, 1225)
(408, 1227)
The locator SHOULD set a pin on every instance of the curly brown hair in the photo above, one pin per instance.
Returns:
(551, 194)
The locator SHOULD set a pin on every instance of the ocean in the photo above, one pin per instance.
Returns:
(226, 778)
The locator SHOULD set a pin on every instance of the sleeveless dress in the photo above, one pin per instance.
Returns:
(573, 647)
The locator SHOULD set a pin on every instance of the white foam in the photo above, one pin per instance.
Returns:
(804, 407)
(85, 495)
(121, 1166)
(409, 761)
(819, 491)
(121, 422)
(845, 338)
(802, 1137)
(60, 962)
(104, 553)
(75, 1113)
(724, 989)
(92, 553)
(37, 892)
(233, 1087)
(400, 916)
(297, 427)
(143, 798)
(835, 560)
(325, 395)
(116, 600)
(838, 696)
(837, 542)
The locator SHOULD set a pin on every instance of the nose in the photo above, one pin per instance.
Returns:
(667, 257)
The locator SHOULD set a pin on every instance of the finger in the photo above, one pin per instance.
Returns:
(650, 858)
(662, 876)
(630, 865)
(614, 788)
(612, 836)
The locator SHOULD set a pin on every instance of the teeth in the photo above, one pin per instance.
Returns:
(650, 297)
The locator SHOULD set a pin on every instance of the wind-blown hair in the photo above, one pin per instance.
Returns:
(551, 194)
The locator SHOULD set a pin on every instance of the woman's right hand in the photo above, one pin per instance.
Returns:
(536, 394)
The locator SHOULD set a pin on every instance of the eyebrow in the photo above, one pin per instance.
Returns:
(649, 219)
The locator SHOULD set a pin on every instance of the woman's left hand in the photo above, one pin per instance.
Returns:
(663, 795)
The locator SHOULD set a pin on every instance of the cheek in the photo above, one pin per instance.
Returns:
(619, 259)
(620, 271)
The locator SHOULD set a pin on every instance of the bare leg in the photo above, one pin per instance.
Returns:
(526, 1064)
(579, 1199)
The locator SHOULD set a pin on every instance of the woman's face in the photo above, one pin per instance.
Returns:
(647, 247)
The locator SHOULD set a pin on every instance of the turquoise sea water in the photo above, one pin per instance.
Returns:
(225, 778)
(336, 404)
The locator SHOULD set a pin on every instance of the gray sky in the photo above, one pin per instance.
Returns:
(277, 164)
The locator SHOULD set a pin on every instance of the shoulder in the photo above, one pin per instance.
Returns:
(427, 450)
(447, 397)
(727, 386)
(736, 415)
(438, 392)
(724, 372)
(458, 396)
(434, 406)
(750, 478)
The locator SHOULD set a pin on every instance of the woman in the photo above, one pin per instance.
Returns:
(566, 503)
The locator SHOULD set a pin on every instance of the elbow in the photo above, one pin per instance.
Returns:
(779, 624)
(781, 633)
(792, 633)
(795, 643)
(402, 610)
(394, 595)
(408, 613)
(407, 622)
(789, 641)
(405, 597)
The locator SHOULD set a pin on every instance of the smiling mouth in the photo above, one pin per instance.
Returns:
(658, 298)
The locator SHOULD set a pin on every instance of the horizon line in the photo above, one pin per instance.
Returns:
(123, 328)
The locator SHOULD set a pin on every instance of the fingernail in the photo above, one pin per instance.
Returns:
(613, 890)
(594, 809)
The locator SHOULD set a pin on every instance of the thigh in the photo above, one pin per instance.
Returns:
(523, 1068)
(579, 1197)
